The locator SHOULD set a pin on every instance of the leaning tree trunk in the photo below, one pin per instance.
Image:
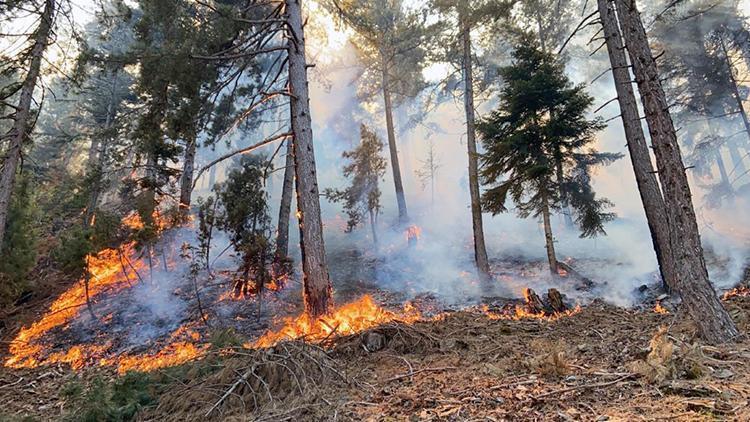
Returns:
(188, 168)
(285, 209)
(403, 215)
(549, 240)
(21, 119)
(698, 295)
(316, 284)
(480, 250)
(648, 186)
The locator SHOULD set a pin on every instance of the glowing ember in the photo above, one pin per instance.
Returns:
(349, 319)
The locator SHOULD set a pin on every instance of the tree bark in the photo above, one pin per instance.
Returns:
(698, 295)
(640, 157)
(403, 215)
(480, 250)
(285, 208)
(17, 134)
(549, 240)
(374, 229)
(316, 284)
(188, 168)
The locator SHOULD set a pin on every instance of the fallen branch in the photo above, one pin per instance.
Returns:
(243, 379)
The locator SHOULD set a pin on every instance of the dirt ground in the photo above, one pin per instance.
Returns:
(603, 363)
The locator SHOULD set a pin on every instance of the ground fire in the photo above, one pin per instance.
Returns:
(345, 210)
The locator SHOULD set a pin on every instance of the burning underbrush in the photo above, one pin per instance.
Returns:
(600, 363)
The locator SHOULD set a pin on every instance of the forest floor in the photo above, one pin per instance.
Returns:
(602, 363)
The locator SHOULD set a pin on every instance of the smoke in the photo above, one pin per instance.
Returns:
(442, 261)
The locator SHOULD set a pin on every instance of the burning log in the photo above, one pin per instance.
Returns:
(555, 300)
(533, 303)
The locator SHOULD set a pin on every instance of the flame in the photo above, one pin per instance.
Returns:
(180, 349)
(660, 309)
(737, 291)
(348, 319)
(520, 312)
(413, 233)
(105, 271)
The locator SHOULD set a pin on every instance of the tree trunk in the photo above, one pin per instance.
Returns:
(285, 209)
(564, 203)
(316, 283)
(698, 295)
(372, 226)
(735, 89)
(480, 250)
(212, 177)
(722, 168)
(648, 186)
(549, 240)
(188, 168)
(98, 154)
(17, 134)
(403, 215)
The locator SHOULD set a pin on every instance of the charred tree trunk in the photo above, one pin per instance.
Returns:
(549, 240)
(316, 283)
(188, 168)
(722, 168)
(480, 250)
(403, 215)
(22, 116)
(698, 295)
(285, 209)
(648, 185)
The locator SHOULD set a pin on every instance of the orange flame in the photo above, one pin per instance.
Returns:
(660, 309)
(737, 291)
(413, 233)
(349, 319)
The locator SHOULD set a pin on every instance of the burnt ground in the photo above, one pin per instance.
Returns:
(604, 363)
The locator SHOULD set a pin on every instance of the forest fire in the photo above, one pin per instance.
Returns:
(659, 309)
(740, 291)
(348, 319)
(108, 272)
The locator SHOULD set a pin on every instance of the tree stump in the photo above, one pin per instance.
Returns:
(555, 300)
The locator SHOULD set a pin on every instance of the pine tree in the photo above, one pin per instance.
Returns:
(541, 119)
(391, 42)
(365, 169)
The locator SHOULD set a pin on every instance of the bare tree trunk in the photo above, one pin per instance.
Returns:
(722, 168)
(285, 209)
(316, 283)
(188, 168)
(403, 215)
(698, 295)
(21, 119)
(480, 250)
(372, 226)
(549, 240)
(98, 154)
(212, 177)
(735, 89)
(648, 186)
